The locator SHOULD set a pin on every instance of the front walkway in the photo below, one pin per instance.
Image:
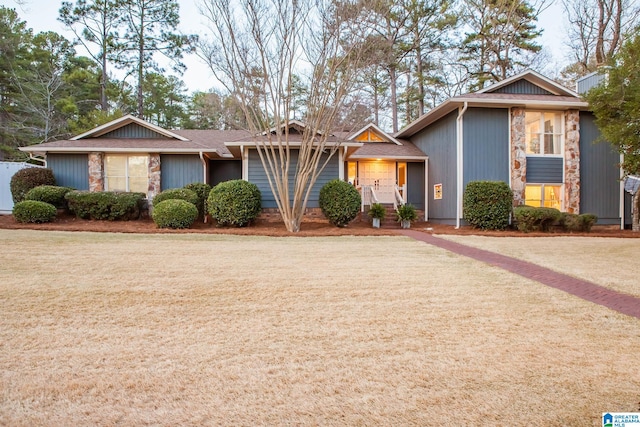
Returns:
(623, 303)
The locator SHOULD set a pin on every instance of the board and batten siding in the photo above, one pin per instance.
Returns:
(70, 170)
(486, 145)
(178, 170)
(133, 130)
(438, 141)
(588, 82)
(523, 87)
(545, 170)
(415, 184)
(258, 176)
(599, 174)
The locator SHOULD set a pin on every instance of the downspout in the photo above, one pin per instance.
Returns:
(43, 160)
(460, 163)
(622, 194)
(204, 167)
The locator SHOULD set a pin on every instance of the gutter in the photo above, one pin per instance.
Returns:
(460, 162)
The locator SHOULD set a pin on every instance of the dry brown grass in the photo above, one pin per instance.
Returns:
(108, 329)
(608, 262)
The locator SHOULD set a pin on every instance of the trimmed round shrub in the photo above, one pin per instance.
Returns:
(236, 202)
(529, 218)
(174, 213)
(107, 205)
(28, 178)
(51, 194)
(340, 202)
(202, 190)
(34, 211)
(176, 193)
(488, 204)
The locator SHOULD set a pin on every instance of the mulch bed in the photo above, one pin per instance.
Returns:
(270, 228)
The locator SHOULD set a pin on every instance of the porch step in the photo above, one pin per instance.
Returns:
(389, 220)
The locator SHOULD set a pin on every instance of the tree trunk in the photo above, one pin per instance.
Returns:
(393, 81)
(419, 72)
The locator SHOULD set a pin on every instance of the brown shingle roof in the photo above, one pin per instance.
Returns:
(388, 150)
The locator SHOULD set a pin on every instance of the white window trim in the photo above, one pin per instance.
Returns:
(562, 133)
(126, 167)
(542, 185)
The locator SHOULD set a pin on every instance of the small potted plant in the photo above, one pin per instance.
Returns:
(377, 212)
(406, 214)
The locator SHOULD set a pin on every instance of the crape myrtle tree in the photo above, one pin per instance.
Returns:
(262, 50)
(616, 105)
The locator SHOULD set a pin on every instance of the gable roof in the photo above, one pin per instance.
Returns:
(560, 99)
(122, 122)
(371, 127)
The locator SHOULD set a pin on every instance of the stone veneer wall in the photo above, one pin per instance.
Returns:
(572, 162)
(154, 176)
(96, 171)
(518, 156)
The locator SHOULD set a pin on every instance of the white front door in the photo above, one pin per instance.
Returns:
(381, 176)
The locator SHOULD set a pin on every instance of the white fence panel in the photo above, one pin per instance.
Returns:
(7, 169)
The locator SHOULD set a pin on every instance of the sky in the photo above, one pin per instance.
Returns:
(41, 15)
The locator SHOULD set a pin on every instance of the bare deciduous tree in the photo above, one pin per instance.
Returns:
(598, 28)
(256, 48)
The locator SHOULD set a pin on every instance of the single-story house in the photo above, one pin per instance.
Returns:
(527, 130)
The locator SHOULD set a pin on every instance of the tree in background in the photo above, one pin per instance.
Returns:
(95, 24)
(164, 100)
(255, 49)
(616, 105)
(500, 37)
(151, 27)
(597, 29)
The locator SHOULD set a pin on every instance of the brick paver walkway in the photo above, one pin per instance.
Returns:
(623, 303)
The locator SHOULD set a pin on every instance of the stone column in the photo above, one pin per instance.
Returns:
(518, 155)
(154, 176)
(572, 162)
(96, 171)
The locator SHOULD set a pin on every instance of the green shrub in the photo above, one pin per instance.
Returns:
(174, 213)
(236, 202)
(529, 218)
(340, 202)
(28, 178)
(202, 190)
(488, 204)
(51, 194)
(176, 193)
(34, 211)
(579, 223)
(105, 205)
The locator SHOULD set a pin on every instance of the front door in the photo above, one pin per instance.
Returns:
(381, 176)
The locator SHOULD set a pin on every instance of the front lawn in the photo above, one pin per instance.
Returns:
(196, 329)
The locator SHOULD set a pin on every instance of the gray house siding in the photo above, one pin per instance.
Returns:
(179, 170)
(588, 82)
(600, 174)
(224, 170)
(415, 184)
(438, 141)
(523, 87)
(258, 176)
(132, 130)
(70, 170)
(545, 170)
(486, 145)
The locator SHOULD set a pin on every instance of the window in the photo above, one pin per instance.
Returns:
(544, 195)
(544, 133)
(126, 173)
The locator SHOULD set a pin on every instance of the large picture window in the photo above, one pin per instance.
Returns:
(544, 133)
(126, 173)
(544, 195)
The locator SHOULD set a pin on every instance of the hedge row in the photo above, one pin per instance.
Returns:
(530, 218)
(105, 205)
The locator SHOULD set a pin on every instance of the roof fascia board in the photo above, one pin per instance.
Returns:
(378, 130)
(36, 149)
(123, 121)
(535, 78)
